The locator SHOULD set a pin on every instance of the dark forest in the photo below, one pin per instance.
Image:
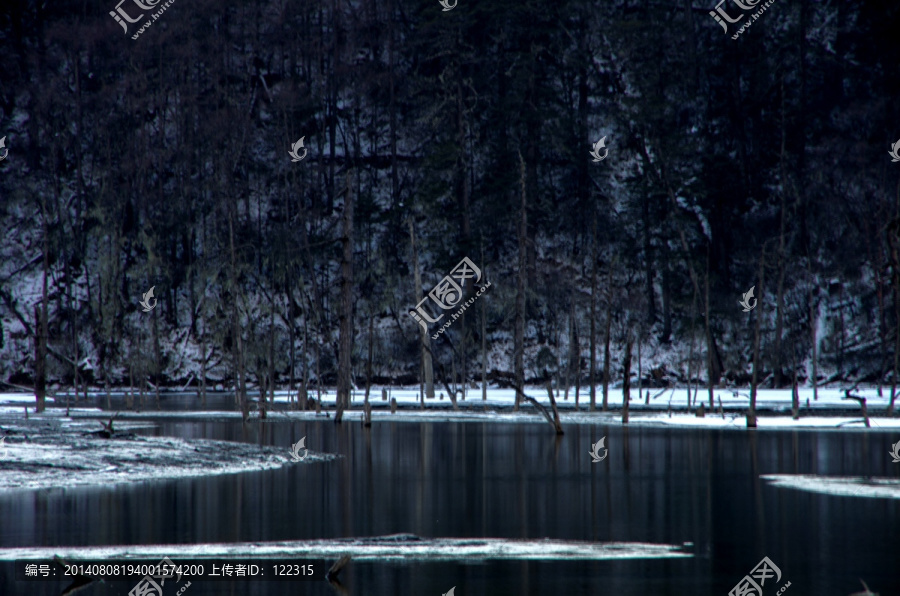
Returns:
(159, 157)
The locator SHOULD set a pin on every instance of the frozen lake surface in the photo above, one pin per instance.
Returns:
(499, 508)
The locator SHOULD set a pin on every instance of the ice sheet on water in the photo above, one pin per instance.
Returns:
(839, 486)
(396, 548)
(56, 452)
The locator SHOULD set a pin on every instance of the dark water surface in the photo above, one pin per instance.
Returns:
(470, 479)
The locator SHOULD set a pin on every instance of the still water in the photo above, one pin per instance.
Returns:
(465, 479)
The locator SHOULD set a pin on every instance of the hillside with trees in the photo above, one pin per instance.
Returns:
(434, 135)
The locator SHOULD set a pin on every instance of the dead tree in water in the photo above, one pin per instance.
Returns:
(862, 404)
(554, 423)
(334, 571)
(345, 337)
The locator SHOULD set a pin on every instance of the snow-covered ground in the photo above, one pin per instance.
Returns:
(666, 408)
(776, 399)
(731, 399)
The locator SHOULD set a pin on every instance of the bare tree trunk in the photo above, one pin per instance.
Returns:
(795, 390)
(710, 352)
(369, 358)
(157, 360)
(640, 370)
(345, 341)
(142, 385)
(483, 341)
(203, 362)
(813, 324)
(577, 377)
(556, 424)
(291, 340)
(570, 364)
(40, 358)
(843, 334)
(270, 363)
(304, 396)
(690, 378)
(751, 415)
(427, 366)
(893, 235)
(40, 323)
(519, 339)
(777, 363)
(241, 385)
(129, 401)
(74, 344)
(779, 321)
(608, 330)
(464, 372)
(882, 320)
(592, 366)
(626, 381)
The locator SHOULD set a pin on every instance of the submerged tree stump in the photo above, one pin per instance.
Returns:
(862, 403)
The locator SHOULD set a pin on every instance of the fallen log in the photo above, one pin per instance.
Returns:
(556, 425)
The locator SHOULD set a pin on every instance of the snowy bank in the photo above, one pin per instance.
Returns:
(526, 415)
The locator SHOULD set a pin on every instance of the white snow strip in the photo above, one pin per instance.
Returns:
(839, 486)
(70, 460)
(734, 402)
(529, 416)
(830, 397)
(383, 549)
